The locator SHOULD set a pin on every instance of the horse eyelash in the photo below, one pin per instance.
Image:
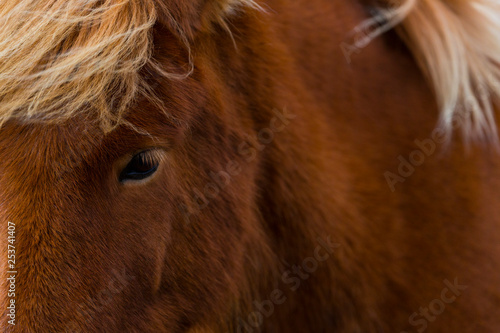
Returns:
(151, 156)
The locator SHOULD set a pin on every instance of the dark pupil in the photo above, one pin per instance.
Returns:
(138, 168)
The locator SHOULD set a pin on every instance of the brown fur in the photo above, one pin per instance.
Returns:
(174, 266)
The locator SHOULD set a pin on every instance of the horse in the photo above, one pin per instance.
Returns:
(249, 166)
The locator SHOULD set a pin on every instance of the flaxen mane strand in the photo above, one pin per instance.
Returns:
(457, 44)
(60, 57)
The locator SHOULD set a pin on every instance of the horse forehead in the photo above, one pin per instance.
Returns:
(36, 158)
(36, 144)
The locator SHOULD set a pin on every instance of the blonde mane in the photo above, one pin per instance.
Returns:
(63, 57)
(59, 58)
(457, 45)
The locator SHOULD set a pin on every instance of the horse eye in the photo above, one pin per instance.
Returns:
(141, 166)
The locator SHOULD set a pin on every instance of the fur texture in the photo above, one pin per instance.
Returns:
(268, 150)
